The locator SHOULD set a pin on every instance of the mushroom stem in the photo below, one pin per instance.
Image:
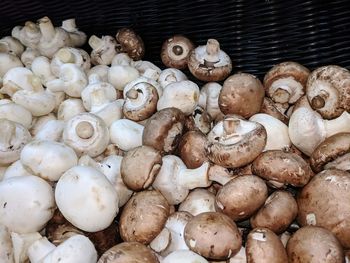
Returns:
(7, 131)
(212, 50)
(177, 50)
(4, 47)
(69, 25)
(65, 56)
(132, 94)
(36, 83)
(193, 178)
(337, 125)
(40, 249)
(281, 95)
(230, 126)
(317, 102)
(219, 174)
(84, 130)
(95, 42)
(46, 28)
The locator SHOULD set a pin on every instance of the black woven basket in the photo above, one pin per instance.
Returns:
(256, 33)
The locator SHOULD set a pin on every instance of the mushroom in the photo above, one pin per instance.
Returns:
(192, 149)
(52, 39)
(305, 246)
(103, 49)
(235, 142)
(77, 38)
(41, 68)
(241, 94)
(170, 75)
(39, 122)
(29, 34)
(86, 134)
(48, 159)
(140, 100)
(286, 82)
(130, 43)
(70, 108)
(182, 95)
(213, 235)
(281, 168)
(144, 66)
(171, 238)
(209, 99)
(26, 203)
(176, 51)
(209, 63)
(163, 130)
(77, 248)
(174, 180)
(334, 152)
(15, 169)
(128, 252)
(147, 206)
(198, 201)
(277, 213)
(16, 113)
(6, 247)
(28, 56)
(21, 243)
(119, 76)
(328, 91)
(139, 167)
(7, 62)
(101, 200)
(122, 59)
(72, 80)
(263, 245)
(270, 108)
(13, 137)
(126, 134)
(11, 45)
(51, 131)
(307, 129)
(277, 132)
(184, 256)
(101, 71)
(324, 202)
(241, 197)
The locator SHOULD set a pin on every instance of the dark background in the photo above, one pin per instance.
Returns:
(256, 33)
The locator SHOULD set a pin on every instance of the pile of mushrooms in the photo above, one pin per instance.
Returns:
(107, 158)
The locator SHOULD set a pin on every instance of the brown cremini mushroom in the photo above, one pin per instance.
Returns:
(314, 245)
(129, 252)
(277, 213)
(328, 91)
(324, 202)
(264, 246)
(334, 152)
(270, 108)
(175, 52)
(164, 129)
(130, 43)
(241, 197)
(139, 167)
(209, 63)
(213, 235)
(143, 217)
(235, 142)
(241, 94)
(282, 168)
(285, 82)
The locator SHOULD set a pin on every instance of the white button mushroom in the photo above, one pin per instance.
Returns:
(11, 45)
(119, 75)
(184, 256)
(6, 248)
(103, 49)
(28, 56)
(29, 34)
(41, 68)
(51, 130)
(14, 112)
(21, 243)
(126, 134)
(209, 99)
(101, 71)
(198, 201)
(95, 199)
(26, 203)
(170, 75)
(16, 169)
(70, 108)
(7, 62)
(86, 133)
(77, 37)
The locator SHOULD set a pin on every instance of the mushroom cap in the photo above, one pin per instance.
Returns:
(324, 202)
(94, 197)
(314, 244)
(287, 74)
(264, 246)
(235, 142)
(86, 133)
(213, 235)
(143, 217)
(209, 63)
(130, 43)
(277, 213)
(192, 149)
(26, 203)
(48, 159)
(241, 94)
(331, 152)
(281, 168)
(128, 252)
(270, 108)
(175, 52)
(328, 91)
(140, 166)
(164, 129)
(241, 197)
